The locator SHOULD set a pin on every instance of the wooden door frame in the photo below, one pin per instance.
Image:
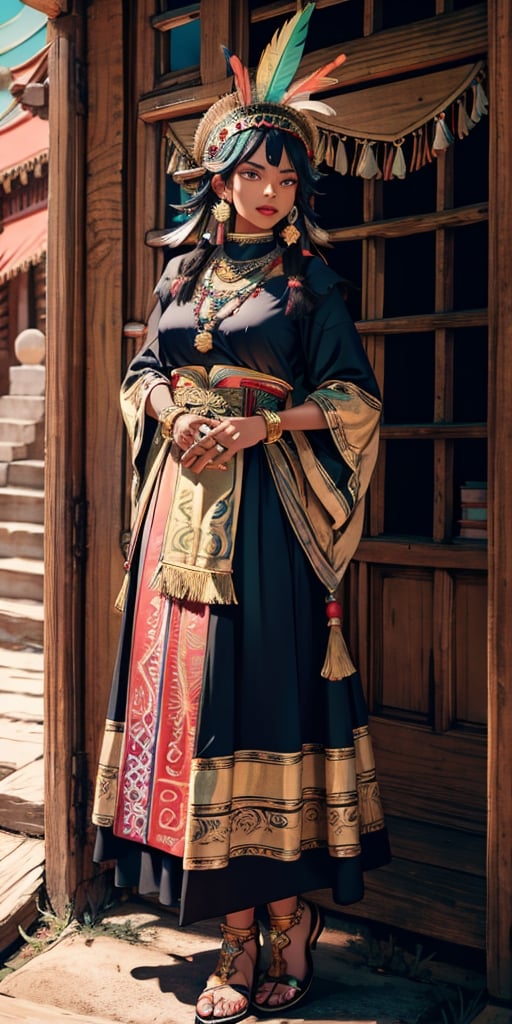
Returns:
(499, 834)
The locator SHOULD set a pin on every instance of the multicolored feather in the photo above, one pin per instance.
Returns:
(281, 58)
(316, 81)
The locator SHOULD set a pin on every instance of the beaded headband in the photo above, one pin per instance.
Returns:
(268, 100)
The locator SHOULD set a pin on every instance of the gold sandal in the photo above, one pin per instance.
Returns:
(233, 942)
(277, 973)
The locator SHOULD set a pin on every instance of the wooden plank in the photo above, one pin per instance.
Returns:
(19, 744)
(434, 431)
(499, 957)
(415, 224)
(411, 47)
(287, 7)
(404, 551)
(421, 898)
(22, 800)
(21, 877)
(438, 778)
(215, 33)
(446, 846)
(443, 650)
(64, 546)
(424, 322)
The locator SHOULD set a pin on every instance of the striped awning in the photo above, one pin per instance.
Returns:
(23, 242)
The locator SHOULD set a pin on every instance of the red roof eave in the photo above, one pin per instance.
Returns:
(23, 242)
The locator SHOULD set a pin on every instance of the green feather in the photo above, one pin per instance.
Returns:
(281, 58)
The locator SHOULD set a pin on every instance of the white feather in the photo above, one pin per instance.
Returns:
(317, 105)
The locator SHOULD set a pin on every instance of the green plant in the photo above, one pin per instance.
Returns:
(462, 1012)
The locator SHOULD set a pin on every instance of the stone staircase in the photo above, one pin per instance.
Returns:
(22, 507)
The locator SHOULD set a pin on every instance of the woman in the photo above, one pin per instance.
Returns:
(236, 769)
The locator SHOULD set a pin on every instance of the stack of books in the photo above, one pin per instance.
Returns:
(473, 503)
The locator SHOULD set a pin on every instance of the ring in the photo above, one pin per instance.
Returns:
(220, 447)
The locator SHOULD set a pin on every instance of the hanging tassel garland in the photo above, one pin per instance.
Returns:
(443, 137)
(367, 166)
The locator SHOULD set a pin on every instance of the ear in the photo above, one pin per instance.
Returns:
(220, 187)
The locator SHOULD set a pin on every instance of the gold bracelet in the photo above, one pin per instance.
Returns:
(272, 423)
(167, 418)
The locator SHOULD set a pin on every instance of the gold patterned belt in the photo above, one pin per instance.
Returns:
(227, 390)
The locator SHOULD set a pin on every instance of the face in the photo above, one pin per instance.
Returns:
(261, 193)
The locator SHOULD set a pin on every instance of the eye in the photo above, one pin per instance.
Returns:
(250, 175)
(287, 182)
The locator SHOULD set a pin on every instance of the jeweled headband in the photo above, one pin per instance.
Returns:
(268, 100)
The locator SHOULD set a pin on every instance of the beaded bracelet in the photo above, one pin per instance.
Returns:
(272, 423)
(167, 418)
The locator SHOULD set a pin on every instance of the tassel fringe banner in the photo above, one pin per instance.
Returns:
(194, 584)
(338, 663)
(366, 157)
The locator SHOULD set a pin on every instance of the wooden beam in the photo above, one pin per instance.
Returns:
(499, 862)
(434, 432)
(416, 224)
(106, 290)
(423, 322)
(52, 8)
(64, 497)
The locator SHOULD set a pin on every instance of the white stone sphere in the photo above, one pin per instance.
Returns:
(30, 346)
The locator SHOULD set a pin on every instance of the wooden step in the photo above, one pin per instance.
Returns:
(21, 621)
(26, 473)
(22, 800)
(18, 431)
(22, 862)
(21, 504)
(26, 539)
(22, 578)
(27, 380)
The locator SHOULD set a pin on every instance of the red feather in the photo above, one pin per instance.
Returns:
(242, 80)
(313, 83)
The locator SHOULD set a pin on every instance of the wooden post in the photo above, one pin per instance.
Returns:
(104, 317)
(64, 505)
(499, 853)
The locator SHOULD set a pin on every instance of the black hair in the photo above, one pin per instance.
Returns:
(235, 150)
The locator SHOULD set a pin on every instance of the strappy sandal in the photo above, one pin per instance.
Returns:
(277, 973)
(233, 942)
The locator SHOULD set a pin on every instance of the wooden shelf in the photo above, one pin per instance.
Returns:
(408, 551)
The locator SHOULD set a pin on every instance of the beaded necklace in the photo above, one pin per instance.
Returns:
(212, 304)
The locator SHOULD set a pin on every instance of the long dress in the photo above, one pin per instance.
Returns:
(232, 772)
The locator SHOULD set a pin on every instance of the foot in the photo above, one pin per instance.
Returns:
(222, 1001)
(296, 965)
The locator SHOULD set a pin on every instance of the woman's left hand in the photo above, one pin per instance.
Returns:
(219, 445)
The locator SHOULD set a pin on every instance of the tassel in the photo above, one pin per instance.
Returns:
(329, 152)
(398, 167)
(341, 160)
(367, 166)
(480, 102)
(320, 151)
(464, 122)
(120, 601)
(442, 136)
(338, 663)
(193, 584)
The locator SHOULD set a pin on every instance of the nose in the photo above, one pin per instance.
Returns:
(269, 189)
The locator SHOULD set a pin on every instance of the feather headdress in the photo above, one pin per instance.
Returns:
(270, 100)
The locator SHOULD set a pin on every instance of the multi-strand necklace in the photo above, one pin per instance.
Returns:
(212, 304)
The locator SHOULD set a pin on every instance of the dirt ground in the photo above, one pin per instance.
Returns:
(135, 966)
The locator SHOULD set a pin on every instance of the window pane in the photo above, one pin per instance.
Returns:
(184, 44)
